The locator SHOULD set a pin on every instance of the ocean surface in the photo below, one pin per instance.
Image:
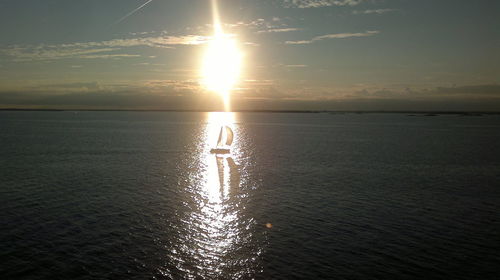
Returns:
(138, 195)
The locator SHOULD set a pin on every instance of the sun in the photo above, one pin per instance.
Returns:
(221, 65)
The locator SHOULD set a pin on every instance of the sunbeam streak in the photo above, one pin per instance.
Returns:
(221, 64)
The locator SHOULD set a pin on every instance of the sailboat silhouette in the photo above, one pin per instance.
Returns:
(224, 141)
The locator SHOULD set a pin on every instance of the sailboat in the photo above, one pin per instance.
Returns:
(224, 142)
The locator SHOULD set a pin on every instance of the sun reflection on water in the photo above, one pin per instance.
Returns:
(217, 234)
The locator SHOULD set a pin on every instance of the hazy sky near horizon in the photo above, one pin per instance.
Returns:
(299, 54)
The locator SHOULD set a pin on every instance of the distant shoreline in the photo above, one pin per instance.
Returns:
(429, 113)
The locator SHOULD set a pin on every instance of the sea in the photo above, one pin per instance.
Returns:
(139, 195)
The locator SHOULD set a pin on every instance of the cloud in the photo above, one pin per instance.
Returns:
(156, 95)
(302, 4)
(252, 24)
(258, 26)
(105, 56)
(42, 52)
(279, 30)
(63, 88)
(92, 50)
(475, 90)
(470, 91)
(257, 94)
(377, 11)
(260, 23)
(333, 36)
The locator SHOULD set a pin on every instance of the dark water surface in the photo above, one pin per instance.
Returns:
(136, 195)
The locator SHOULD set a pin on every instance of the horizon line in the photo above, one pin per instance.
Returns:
(259, 111)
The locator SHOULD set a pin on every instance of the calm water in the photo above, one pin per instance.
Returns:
(131, 195)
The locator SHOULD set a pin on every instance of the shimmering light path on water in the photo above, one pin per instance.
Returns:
(216, 238)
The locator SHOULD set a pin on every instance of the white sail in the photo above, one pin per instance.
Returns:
(229, 136)
(219, 142)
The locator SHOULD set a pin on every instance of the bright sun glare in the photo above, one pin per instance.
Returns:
(222, 62)
(221, 66)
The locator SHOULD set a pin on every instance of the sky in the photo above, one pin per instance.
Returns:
(390, 55)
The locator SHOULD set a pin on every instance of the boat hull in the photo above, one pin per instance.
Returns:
(220, 151)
